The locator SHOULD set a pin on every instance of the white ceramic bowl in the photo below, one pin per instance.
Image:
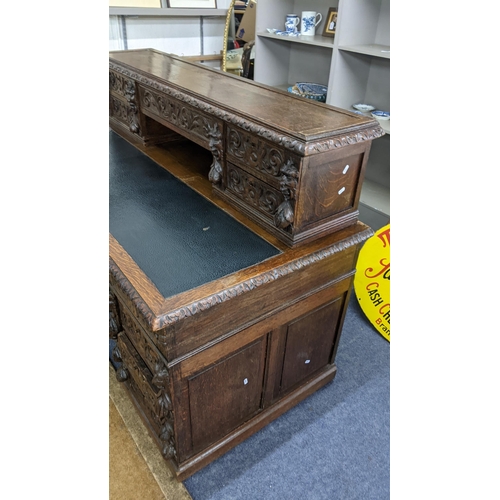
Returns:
(363, 107)
(381, 115)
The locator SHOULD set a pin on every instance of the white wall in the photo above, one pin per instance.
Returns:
(183, 36)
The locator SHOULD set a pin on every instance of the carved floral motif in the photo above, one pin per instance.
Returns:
(253, 191)
(254, 153)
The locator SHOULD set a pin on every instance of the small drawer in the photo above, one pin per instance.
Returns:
(118, 83)
(264, 160)
(156, 401)
(142, 342)
(184, 119)
(118, 109)
(254, 192)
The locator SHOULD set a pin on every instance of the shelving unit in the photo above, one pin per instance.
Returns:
(355, 65)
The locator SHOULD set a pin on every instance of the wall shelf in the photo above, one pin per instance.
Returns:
(370, 50)
(318, 40)
(168, 12)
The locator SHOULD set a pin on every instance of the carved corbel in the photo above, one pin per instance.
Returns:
(215, 144)
(167, 438)
(284, 215)
(160, 380)
(133, 110)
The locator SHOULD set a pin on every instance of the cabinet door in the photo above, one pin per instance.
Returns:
(309, 344)
(226, 394)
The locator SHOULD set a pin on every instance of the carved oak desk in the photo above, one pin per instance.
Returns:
(220, 327)
(292, 165)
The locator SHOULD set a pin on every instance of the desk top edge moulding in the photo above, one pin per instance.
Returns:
(305, 159)
(234, 237)
(190, 82)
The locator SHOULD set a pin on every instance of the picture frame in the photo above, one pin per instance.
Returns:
(331, 22)
(190, 4)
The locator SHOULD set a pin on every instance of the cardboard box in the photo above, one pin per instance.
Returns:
(246, 30)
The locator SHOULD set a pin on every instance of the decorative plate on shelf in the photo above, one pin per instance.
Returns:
(381, 115)
(363, 107)
(312, 88)
(314, 91)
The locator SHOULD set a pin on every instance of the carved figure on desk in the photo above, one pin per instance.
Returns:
(288, 185)
(133, 118)
(215, 145)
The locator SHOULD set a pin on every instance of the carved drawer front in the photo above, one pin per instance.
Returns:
(118, 83)
(141, 341)
(226, 394)
(258, 157)
(190, 121)
(309, 344)
(157, 404)
(253, 192)
(118, 109)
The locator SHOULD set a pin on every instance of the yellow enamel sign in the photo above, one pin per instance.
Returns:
(372, 280)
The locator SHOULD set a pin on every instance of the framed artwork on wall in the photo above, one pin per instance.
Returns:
(331, 22)
(197, 4)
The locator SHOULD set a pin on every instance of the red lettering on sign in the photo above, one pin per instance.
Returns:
(383, 270)
(385, 235)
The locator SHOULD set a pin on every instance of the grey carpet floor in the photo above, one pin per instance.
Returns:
(333, 445)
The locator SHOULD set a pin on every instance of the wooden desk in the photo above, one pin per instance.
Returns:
(293, 166)
(211, 361)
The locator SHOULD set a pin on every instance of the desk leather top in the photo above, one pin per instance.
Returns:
(302, 118)
(177, 237)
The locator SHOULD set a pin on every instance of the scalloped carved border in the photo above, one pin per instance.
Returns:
(157, 323)
(290, 143)
(135, 299)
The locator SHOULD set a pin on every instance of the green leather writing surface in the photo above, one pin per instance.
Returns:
(177, 237)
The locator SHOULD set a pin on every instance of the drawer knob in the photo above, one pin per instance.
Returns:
(245, 381)
(307, 361)
(342, 190)
(346, 168)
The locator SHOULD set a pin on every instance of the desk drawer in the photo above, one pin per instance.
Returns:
(253, 192)
(141, 341)
(157, 404)
(181, 117)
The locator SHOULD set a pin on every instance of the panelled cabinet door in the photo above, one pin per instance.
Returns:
(226, 394)
(309, 344)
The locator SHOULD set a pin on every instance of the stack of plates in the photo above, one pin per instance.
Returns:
(308, 90)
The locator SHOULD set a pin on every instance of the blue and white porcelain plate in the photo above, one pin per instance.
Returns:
(312, 88)
(381, 115)
(363, 107)
(316, 97)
